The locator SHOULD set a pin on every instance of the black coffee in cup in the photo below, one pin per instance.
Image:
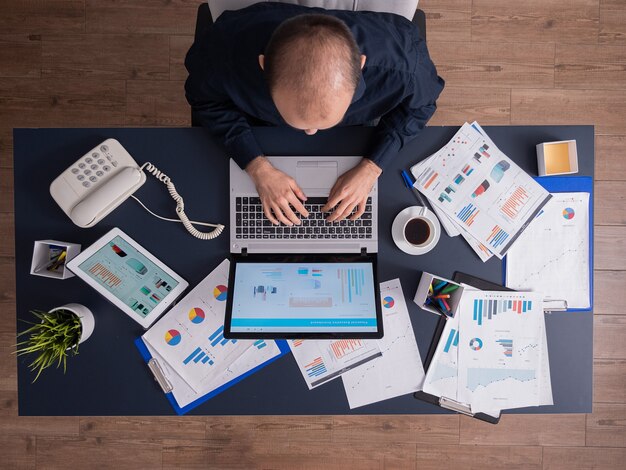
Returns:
(417, 231)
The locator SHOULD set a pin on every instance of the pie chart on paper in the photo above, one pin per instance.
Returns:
(568, 213)
(388, 302)
(172, 337)
(196, 315)
(220, 293)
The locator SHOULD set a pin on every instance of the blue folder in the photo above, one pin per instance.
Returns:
(143, 350)
(571, 184)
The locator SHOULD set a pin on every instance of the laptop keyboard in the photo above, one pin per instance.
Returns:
(251, 223)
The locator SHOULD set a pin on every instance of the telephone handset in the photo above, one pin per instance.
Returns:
(105, 177)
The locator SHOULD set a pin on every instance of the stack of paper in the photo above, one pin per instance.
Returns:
(493, 355)
(372, 370)
(190, 346)
(478, 190)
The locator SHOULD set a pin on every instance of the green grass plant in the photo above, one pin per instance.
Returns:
(53, 338)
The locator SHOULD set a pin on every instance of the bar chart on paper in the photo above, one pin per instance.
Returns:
(345, 346)
(486, 309)
(441, 378)
(321, 361)
(217, 337)
(501, 363)
(453, 340)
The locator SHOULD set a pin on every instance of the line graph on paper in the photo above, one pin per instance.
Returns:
(554, 251)
(373, 364)
(486, 377)
(549, 264)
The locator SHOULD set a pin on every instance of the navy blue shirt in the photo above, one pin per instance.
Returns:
(226, 86)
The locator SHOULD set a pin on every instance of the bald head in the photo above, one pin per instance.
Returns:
(312, 65)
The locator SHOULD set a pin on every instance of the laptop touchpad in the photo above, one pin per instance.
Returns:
(316, 174)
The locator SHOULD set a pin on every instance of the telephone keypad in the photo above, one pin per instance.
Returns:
(94, 164)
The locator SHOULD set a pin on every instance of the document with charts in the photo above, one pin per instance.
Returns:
(552, 255)
(442, 376)
(323, 360)
(258, 353)
(399, 370)
(190, 337)
(500, 350)
(481, 189)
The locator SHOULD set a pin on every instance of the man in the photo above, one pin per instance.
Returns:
(311, 69)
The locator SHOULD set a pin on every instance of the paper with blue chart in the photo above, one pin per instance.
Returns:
(399, 370)
(552, 255)
(190, 337)
(442, 376)
(502, 353)
(257, 353)
(480, 189)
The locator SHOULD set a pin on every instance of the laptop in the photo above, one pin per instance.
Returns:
(317, 280)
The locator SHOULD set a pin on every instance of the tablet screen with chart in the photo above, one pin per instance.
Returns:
(302, 298)
(127, 274)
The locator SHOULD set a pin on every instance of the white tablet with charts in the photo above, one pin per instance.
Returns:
(129, 276)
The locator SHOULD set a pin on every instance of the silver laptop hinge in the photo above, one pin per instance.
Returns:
(244, 252)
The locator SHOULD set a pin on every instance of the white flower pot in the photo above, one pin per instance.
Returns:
(87, 320)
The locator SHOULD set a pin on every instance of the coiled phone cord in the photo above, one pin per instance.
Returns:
(180, 207)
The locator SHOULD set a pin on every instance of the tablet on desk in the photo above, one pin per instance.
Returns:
(303, 296)
(129, 276)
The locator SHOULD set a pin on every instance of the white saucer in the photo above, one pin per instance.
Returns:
(398, 227)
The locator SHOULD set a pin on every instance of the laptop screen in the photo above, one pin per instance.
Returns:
(300, 298)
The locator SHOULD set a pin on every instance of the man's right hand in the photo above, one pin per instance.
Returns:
(279, 192)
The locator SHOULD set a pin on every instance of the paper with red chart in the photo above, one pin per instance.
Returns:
(481, 189)
(320, 361)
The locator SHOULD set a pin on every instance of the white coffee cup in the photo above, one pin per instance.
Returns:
(416, 230)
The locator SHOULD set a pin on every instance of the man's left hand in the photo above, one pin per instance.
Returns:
(351, 190)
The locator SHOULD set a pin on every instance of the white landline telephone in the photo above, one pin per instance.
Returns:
(105, 177)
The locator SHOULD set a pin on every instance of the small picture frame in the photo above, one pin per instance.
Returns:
(50, 258)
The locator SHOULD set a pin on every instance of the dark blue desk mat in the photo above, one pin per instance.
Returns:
(109, 377)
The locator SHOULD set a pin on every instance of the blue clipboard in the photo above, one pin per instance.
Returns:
(571, 184)
(143, 350)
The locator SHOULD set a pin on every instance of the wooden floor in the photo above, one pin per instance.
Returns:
(95, 63)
